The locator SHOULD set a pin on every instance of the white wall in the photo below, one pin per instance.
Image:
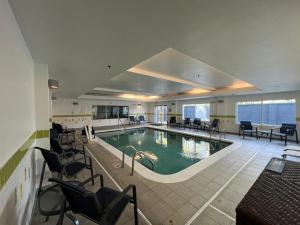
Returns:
(17, 86)
(18, 119)
(76, 116)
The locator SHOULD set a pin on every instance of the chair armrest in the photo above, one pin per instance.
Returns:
(93, 177)
(116, 201)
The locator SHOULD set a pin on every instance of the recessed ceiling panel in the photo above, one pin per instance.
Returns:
(132, 82)
(172, 63)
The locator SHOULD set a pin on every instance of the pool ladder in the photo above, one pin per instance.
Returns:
(221, 132)
(141, 154)
(123, 125)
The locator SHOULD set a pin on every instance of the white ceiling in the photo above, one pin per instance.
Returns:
(256, 41)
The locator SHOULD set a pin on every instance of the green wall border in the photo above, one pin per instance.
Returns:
(9, 167)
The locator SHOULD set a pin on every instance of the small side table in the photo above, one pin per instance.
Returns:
(261, 133)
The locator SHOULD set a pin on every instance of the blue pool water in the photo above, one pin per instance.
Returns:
(169, 152)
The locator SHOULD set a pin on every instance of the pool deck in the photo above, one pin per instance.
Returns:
(209, 197)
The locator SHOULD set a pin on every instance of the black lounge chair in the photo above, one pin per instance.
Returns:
(64, 151)
(286, 129)
(187, 123)
(141, 119)
(213, 126)
(133, 120)
(102, 207)
(246, 128)
(172, 122)
(69, 169)
(64, 134)
(196, 124)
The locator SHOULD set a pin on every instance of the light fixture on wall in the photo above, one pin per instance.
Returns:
(53, 84)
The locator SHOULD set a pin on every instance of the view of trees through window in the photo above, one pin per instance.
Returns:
(200, 111)
(268, 112)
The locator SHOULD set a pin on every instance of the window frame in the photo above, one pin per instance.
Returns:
(184, 105)
(107, 112)
(263, 102)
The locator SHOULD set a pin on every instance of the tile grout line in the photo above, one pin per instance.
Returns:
(118, 186)
(220, 211)
(220, 190)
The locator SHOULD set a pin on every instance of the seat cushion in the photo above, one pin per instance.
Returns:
(106, 196)
(73, 168)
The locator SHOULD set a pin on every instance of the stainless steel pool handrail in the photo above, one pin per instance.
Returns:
(136, 152)
(142, 155)
(123, 153)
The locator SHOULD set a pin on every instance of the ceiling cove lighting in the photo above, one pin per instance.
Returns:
(53, 84)
(240, 84)
(168, 77)
(134, 96)
(196, 91)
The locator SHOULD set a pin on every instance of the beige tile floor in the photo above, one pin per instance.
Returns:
(209, 197)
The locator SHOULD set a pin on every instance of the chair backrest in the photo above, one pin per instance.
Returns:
(246, 125)
(55, 146)
(141, 118)
(131, 118)
(83, 132)
(59, 129)
(173, 119)
(53, 134)
(80, 200)
(215, 123)
(197, 121)
(52, 160)
(288, 128)
(187, 121)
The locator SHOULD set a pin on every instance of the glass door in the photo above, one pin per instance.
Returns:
(160, 114)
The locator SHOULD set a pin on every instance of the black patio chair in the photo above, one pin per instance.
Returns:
(104, 207)
(196, 124)
(65, 151)
(133, 120)
(286, 129)
(246, 128)
(55, 164)
(172, 122)
(213, 126)
(141, 119)
(187, 123)
(64, 134)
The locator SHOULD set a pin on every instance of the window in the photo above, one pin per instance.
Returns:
(109, 112)
(268, 112)
(99, 112)
(124, 111)
(192, 111)
(276, 112)
(112, 112)
(249, 111)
